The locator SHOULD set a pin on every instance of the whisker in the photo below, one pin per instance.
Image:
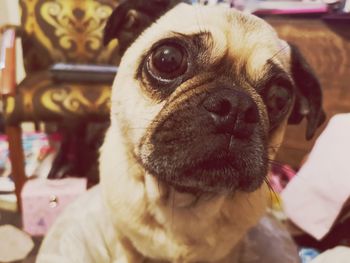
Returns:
(272, 192)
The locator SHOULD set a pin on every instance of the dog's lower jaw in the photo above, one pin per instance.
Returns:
(162, 232)
(207, 229)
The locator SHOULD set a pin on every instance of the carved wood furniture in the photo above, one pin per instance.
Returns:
(54, 31)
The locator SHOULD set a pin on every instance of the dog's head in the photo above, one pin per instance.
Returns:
(203, 97)
(199, 107)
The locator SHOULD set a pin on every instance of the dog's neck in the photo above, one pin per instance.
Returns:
(158, 229)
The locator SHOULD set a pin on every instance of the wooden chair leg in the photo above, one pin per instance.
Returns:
(14, 134)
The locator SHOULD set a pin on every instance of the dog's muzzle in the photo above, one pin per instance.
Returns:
(213, 142)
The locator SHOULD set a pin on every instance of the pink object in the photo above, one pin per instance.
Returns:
(44, 200)
(292, 11)
(316, 195)
(279, 176)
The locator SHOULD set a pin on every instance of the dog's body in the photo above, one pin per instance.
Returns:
(184, 160)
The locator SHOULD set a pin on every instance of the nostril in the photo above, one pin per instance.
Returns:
(223, 108)
(220, 107)
(251, 115)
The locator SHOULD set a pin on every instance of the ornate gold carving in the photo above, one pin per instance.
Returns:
(73, 101)
(70, 30)
(10, 105)
(104, 99)
(78, 25)
(32, 27)
(28, 94)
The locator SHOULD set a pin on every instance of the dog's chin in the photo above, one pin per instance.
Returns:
(211, 176)
(218, 175)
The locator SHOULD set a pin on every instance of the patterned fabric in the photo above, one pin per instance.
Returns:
(56, 31)
(66, 31)
(40, 98)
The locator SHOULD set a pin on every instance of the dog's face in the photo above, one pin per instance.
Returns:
(205, 99)
(199, 106)
(211, 133)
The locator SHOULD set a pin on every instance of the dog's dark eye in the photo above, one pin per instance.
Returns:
(277, 98)
(167, 62)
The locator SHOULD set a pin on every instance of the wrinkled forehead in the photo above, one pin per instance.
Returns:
(246, 39)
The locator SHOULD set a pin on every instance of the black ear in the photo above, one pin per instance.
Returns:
(132, 17)
(308, 101)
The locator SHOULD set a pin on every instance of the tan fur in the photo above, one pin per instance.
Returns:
(152, 221)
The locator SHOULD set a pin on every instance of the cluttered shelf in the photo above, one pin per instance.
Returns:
(325, 42)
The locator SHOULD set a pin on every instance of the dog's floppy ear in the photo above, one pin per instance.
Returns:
(308, 101)
(131, 17)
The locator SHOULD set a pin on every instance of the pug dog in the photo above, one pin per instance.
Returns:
(199, 108)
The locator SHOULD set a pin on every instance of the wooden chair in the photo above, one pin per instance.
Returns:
(53, 31)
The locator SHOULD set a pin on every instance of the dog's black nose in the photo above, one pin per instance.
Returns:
(233, 112)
